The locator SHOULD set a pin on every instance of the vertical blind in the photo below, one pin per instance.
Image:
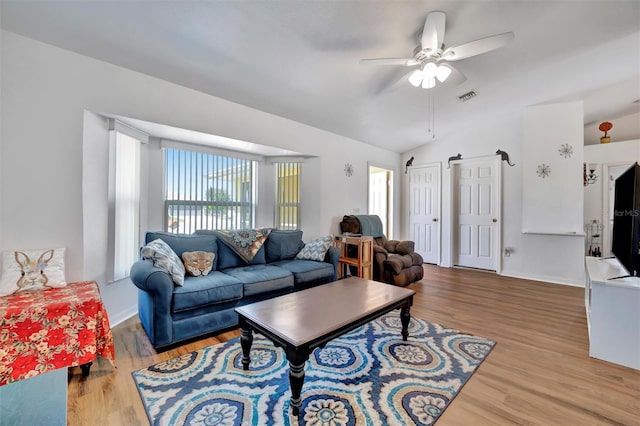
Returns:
(124, 200)
(207, 191)
(288, 195)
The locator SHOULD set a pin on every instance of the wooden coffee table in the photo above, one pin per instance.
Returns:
(302, 321)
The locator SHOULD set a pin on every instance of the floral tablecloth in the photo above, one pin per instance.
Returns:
(49, 329)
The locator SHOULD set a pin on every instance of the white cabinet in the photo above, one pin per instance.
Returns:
(613, 313)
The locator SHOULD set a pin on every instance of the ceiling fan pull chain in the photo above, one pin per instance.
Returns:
(431, 115)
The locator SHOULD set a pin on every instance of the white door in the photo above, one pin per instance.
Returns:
(476, 213)
(424, 211)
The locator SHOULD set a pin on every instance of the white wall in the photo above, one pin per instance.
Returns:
(45, 93)
(538, 257)
(551, 204)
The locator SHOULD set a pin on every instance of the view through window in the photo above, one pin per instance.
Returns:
(288, 195)
(207, 191)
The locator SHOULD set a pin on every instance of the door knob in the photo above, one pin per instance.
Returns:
(435, 219)
(494, 220)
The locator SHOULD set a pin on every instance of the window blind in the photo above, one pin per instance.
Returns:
(207, 191)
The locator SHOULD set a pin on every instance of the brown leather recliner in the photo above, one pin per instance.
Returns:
(394, 262)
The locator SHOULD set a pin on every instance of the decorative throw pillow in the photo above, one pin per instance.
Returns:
(32, 270)
(160, 254)
(198, 263)
(316, 249)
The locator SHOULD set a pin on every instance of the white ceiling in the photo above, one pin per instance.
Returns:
(299, 59)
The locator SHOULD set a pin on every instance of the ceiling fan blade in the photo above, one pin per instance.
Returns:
(476, 47)
(390, 61)
(456, 77)
(433, 32)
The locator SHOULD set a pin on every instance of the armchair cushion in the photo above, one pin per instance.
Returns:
(400, 247)
(398, 262)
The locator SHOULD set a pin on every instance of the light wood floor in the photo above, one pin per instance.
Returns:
(539, 372)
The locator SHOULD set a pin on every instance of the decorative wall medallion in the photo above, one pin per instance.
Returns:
(543, 170)
(348, 170)
(565, 150)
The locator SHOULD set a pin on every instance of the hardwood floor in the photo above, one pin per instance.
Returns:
(538, 373)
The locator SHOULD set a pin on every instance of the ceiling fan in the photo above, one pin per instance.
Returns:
(433, 57)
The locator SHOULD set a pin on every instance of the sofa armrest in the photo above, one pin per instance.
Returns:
(380, 250)
(151, 279)
(154, 301)
(333, 256)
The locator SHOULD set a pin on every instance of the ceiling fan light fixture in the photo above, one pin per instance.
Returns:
(428, 82)
(442, 73)
(430, 70)
(416, 78)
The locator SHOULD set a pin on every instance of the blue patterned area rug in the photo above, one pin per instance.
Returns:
(369, 376)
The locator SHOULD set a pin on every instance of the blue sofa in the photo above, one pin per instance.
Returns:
(170, 314)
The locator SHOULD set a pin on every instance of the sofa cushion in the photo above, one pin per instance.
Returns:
(258, 279)
(180, 243)
(283, 245)
(305, 271)
(227, 258)
(213, 288)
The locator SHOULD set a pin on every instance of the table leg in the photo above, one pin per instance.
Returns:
(85, 368)
(246, 340)
(405, 318)
(296, 380)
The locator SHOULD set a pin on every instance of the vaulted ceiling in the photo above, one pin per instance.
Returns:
(300, 59)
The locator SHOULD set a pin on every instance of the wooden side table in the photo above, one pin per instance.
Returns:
(363, 262)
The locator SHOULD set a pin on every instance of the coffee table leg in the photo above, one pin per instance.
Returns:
(246, 340)
(296, 380)
(405, 318)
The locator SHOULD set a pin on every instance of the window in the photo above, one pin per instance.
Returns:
(124, 203)
(207, 191)
(288, 195)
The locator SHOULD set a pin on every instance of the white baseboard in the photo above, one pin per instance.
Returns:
(544, 278)
(122, 316)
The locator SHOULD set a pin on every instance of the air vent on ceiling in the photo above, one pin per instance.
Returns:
(467, 96)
